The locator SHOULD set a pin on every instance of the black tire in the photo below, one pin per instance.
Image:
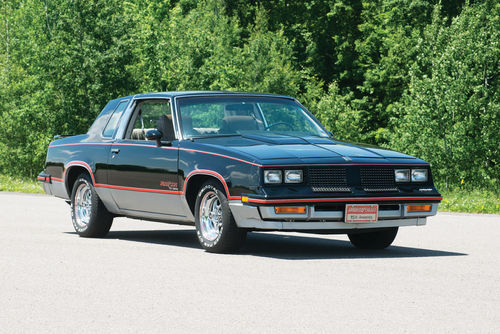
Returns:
(226, 236)
(374, 240)
(90, 219)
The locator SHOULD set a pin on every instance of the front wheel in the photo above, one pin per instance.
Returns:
(90, 218)
(374, 240)
(215, 226)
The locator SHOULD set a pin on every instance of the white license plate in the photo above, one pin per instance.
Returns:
(361, 213)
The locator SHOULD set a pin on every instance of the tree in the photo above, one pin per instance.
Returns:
(450, 112)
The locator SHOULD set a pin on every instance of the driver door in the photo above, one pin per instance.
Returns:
(142, 176)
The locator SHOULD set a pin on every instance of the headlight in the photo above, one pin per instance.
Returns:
(272, 176)
(293, 176)
(419, 175)
(402, 175)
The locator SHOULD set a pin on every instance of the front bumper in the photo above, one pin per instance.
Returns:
(264, 217)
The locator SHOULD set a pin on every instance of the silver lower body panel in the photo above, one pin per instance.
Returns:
(264, 218)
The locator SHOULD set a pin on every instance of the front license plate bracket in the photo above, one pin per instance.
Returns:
(361, 213)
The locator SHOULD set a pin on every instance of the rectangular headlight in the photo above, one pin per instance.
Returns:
(419, 175)
(272, 176)
(293, 176)
(402, 175)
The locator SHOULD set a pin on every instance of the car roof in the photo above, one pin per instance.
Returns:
(205, 93)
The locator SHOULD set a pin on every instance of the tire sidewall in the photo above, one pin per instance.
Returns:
(226, 218)
(78, 182)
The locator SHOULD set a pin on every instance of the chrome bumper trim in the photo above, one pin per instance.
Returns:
(267, 212)
(247, 216)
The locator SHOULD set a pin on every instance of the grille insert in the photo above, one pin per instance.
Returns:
(378, 179)
(328, 179)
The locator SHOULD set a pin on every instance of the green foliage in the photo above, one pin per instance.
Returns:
(339, 117)
(450, 114)
(413, 75)
(470, 200)
(16, 184)
(65, 61)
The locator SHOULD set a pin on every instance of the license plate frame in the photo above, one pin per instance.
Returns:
(361, 213)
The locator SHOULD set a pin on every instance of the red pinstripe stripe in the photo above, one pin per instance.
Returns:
(209, 172)
(74, 144)
(237, 159)
(333, 165)
(351, 199)
(221, 155)
(41, 178)
(78, 163)
(101, 185)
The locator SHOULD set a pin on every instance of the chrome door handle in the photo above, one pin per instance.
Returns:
(115, 150)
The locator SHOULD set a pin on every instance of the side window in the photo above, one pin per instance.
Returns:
(151, 115)
(110, 128)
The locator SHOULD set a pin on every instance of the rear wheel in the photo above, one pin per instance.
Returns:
(215, 226)
(374, 240)
(90, 218)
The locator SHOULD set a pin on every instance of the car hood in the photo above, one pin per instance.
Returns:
(273, 147)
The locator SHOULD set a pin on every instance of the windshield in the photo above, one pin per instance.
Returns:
(226, 116)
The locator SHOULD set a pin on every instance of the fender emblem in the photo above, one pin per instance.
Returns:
(169, 184)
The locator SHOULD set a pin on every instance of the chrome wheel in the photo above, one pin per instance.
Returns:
(210, 216)
(83, 205)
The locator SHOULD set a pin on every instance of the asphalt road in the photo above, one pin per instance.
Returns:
(151, 277)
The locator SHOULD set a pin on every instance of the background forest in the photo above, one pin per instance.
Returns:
(417, 76)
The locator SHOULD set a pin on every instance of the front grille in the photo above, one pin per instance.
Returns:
(377, 179)
(328, 179)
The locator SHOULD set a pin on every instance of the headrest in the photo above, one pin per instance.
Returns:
(238, 109)
(187, 125)
(165, 126)
(234, 124)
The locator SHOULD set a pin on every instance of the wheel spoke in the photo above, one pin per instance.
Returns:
(83, 205)
(210, 216)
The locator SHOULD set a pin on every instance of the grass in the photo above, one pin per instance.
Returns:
(456, 200)
(470, 200)
(23, 185)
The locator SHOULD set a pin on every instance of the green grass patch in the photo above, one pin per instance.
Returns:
(23, 185)
(470, 200)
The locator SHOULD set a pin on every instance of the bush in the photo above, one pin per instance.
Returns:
(450, 114)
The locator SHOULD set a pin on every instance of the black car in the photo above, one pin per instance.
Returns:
(230, 163)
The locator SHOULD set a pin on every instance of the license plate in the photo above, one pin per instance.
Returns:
(361, 213)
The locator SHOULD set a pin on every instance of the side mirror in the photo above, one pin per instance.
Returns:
(154, 135)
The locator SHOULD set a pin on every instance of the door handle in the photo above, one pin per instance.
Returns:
(115, 150)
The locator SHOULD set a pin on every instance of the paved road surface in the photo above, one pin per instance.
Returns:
(151, 277)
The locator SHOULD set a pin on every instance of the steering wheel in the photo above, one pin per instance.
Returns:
(279, 123)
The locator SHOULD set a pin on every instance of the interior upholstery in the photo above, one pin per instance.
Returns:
(187, 126)
(165, 126)
(238, 109)
(234, 124)
(137, 134)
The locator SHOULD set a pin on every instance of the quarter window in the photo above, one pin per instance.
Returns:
(110, 128)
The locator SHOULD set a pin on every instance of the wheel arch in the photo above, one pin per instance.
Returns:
(72, 170)
(195, 180)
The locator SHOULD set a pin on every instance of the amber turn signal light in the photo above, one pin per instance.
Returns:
(290, 209)
(419, 208)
